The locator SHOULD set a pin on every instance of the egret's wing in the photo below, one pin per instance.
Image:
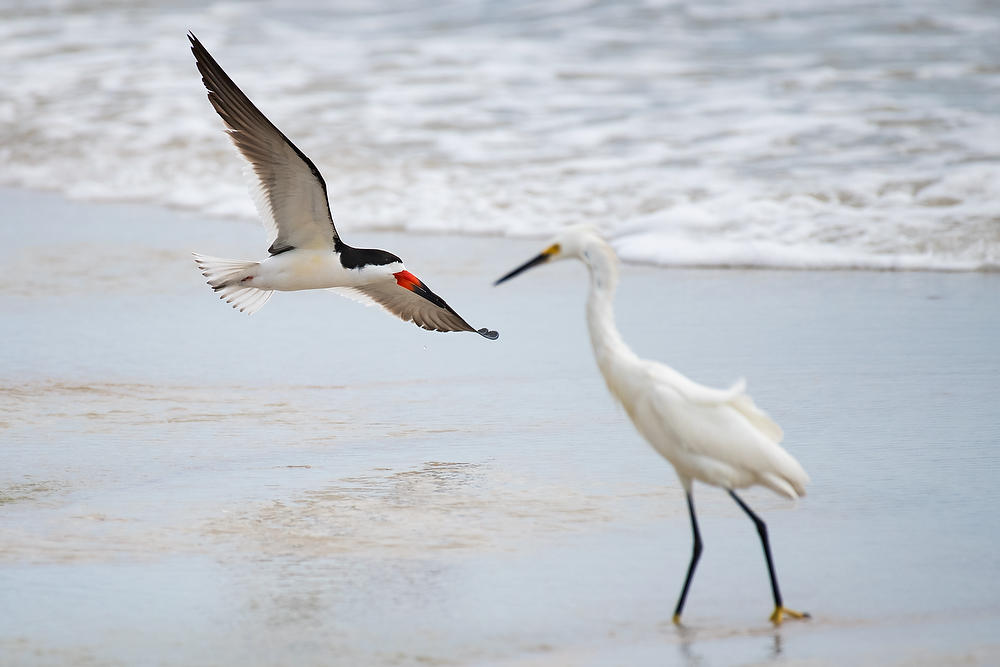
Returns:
(721, 430)
(746, 407)
(735, 397)
(291, 194)
(412, 301)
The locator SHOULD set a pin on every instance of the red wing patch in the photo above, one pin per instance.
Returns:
(407, 280)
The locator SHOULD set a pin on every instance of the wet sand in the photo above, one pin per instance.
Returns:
(321, 484)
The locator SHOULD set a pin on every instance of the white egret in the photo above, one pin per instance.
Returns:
(715, 436)
(305, 252)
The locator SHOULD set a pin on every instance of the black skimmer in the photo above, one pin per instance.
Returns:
(305, 252)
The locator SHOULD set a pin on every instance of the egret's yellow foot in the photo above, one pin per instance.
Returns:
(781, 612)
(677, 619)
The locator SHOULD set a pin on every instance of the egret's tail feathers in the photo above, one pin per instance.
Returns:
(786, 477)
(760, 419)
(792, 488)
(230, 278)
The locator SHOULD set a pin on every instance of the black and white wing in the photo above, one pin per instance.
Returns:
(409, 299)
(292, 194)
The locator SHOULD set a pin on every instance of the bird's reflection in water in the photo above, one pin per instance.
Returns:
(691, 657)
(688, 654)
(776, 645)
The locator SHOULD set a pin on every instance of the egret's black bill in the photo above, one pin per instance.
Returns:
(542, 258)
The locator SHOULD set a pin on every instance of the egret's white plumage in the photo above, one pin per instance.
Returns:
(305, 250)
(716, 436)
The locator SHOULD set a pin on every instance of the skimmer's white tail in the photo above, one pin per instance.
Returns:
(229, 277)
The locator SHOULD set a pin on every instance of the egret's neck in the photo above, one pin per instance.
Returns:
(609, 348)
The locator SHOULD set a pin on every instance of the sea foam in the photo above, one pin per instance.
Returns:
(737, 134)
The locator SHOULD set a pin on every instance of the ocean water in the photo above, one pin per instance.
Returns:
(766, 133)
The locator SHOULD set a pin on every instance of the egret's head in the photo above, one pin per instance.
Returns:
(571, 242)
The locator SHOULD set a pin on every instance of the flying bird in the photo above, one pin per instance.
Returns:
(716, 436)
(305, 252)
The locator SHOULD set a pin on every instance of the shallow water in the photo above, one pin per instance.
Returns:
(841, 133)
(320, 484)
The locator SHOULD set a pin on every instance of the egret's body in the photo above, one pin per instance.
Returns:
(715, 436)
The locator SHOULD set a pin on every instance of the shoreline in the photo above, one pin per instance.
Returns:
(191, 212)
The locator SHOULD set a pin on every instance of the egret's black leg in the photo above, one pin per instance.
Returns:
(695, 555)
(779, 609)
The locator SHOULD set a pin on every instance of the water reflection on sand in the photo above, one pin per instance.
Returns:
(320, 484)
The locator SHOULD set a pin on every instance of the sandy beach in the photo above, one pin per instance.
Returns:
(320, 484)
